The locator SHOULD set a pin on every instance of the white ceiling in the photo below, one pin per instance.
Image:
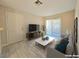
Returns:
(49, 7)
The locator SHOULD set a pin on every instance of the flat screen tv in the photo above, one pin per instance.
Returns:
(33, 27)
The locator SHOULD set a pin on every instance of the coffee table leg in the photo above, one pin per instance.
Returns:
(36, 44)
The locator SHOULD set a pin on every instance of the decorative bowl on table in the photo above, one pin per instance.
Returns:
(45, 38)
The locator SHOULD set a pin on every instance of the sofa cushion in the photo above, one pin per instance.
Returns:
(62, 45)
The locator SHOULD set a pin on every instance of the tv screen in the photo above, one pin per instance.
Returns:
(33, 27)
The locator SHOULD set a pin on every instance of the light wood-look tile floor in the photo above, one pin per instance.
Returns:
(24, 49)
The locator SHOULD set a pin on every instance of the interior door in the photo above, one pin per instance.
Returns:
(0, 43)
(14, 24)
(20, 27)
(11, 27)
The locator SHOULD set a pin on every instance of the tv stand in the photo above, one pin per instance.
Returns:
(32, 35)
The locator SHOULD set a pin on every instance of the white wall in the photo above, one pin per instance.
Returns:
(77, 8)
(31, 19)
(17, 25)
(77, 15)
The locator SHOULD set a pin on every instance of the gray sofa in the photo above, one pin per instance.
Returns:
(53, 53)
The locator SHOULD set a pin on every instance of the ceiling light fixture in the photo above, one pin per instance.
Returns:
(37, 2)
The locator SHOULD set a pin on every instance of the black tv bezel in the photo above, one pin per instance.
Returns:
(34, 29)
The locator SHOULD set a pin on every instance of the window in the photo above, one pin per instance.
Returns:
(53, 27)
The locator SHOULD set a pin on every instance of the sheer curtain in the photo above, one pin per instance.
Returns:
(53, 27)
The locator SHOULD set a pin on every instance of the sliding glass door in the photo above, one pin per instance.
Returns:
(53, 27)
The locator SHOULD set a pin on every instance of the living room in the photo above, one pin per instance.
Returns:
(24, 28)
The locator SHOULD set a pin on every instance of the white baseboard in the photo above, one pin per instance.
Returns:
(5, 45)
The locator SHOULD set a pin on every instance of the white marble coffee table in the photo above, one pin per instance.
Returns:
(44, 42)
